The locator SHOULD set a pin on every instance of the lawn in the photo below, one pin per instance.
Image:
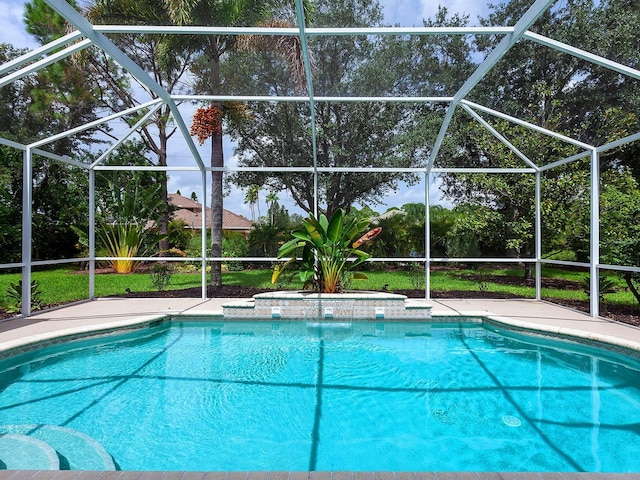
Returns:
(62, 285)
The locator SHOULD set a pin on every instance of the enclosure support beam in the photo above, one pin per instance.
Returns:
(427, 238)
(538, 237)
(203, 236)
(39, 52)
(594, 257)
(498, 135)
(92, 234)
(27, 208)
(40, 64)
(306, 60)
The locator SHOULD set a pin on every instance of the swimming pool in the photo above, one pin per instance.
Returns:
(333, 396)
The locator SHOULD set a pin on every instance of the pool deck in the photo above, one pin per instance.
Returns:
(110, 313)
(116, 313)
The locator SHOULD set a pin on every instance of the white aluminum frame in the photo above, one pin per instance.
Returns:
(87, 35)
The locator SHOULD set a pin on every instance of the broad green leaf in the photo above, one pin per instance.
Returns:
(289, 247)
(302, 235)
(334, 228)
(305, 275)
(316, 235)
(323, 222)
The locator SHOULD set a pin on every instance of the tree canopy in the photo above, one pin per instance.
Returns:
(349, 134)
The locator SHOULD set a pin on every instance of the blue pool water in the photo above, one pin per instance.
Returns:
(361, 396)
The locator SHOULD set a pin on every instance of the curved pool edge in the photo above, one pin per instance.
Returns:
(105, 316)
(516, 322)
(54, 337)
(566, 333)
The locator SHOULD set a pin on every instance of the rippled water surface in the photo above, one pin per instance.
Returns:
(361, 396)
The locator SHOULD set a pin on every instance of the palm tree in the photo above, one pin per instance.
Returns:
(226, 13)
(272, 201)
(252, 198)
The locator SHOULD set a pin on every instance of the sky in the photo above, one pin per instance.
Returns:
(401, 12)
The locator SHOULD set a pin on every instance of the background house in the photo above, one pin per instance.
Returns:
(191, 213)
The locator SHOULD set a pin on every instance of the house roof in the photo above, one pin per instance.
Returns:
(191, 213)
(179, 201)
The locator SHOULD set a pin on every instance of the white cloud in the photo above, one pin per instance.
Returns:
(473, 8)
(410, 13)
(12, 29)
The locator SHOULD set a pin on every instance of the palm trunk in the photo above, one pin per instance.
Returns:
(217, 160)
(163, 224)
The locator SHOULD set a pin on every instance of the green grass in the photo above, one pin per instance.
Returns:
(62, 285)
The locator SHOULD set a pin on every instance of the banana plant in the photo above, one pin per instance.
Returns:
(327, 251)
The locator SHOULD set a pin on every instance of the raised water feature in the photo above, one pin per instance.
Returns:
(304, 305)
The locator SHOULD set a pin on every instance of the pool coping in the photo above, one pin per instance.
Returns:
(19, 335)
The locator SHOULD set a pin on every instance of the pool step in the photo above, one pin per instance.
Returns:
(22, 452)
(75, 450)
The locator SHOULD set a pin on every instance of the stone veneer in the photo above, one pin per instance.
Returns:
(305, 305)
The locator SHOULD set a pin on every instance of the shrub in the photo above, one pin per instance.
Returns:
(417, 276)
(161, 275)
(234, 245)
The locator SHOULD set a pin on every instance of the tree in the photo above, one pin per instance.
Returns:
(559, 92)
(252, 199)
(272, 201)
(619, 237)
(67, 93)
(391, 242)
(57, 98)
(349, 134)
(266, 237)
(167, 59)
(212, 50)
(442, 221)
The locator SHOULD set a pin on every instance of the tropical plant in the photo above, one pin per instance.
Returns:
(605, 286)
(272, 201)
(327, 246)
(14, 295)
(124, 222)
(122, 241)
(166, 58)
(179, 234)
(252, 199)
(209, 79)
